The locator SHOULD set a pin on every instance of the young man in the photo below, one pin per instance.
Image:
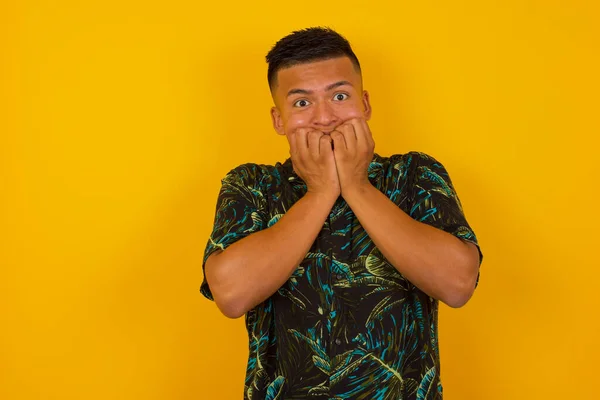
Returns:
(337, 257)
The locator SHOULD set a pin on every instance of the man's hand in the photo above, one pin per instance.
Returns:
(353, 150)
(313, 160)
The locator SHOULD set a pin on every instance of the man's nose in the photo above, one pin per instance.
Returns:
(324, 115)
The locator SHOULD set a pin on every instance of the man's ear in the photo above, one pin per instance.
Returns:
(277, 121)
(366, 105)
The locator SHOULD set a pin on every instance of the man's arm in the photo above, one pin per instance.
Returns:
(440, 264)
(253, 268)
(437, 262)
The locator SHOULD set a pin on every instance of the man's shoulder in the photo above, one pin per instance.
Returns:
(402, 161)
(401, 156)
(407, 156)
(252, 174)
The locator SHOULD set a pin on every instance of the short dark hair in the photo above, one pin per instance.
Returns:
(307, 45)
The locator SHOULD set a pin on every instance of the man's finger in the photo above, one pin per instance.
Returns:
(313, 143)
(292, 140)
(325, 145)
(367, 133)
(339, 142)
(302, 142)
(361, 135)
(349, 135)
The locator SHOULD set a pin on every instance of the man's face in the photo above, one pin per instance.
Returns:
(319, 95)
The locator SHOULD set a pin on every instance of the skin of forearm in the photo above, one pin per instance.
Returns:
(252, 269)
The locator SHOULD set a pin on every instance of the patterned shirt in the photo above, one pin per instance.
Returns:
(346, 324)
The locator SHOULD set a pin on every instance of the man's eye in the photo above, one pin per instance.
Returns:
(340, 96)
(301, 103)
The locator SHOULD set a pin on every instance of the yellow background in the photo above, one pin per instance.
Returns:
(118, 119)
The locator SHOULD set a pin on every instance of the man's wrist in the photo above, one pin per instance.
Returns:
(322, 198)
(358, 189)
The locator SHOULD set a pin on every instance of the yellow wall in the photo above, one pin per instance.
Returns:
(118, 118)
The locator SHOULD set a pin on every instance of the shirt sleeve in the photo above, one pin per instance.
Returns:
(239, 213)
(435, 202)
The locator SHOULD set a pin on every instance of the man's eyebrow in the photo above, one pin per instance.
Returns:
(337, 84)
(298, 91)
(328, 88)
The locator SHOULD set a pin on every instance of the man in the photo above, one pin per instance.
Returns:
(337, 257)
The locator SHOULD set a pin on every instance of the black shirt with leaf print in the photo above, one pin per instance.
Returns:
(346, 324)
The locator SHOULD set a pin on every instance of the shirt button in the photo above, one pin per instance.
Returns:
(338, 341)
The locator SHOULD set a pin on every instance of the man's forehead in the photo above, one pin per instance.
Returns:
(317, 75)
